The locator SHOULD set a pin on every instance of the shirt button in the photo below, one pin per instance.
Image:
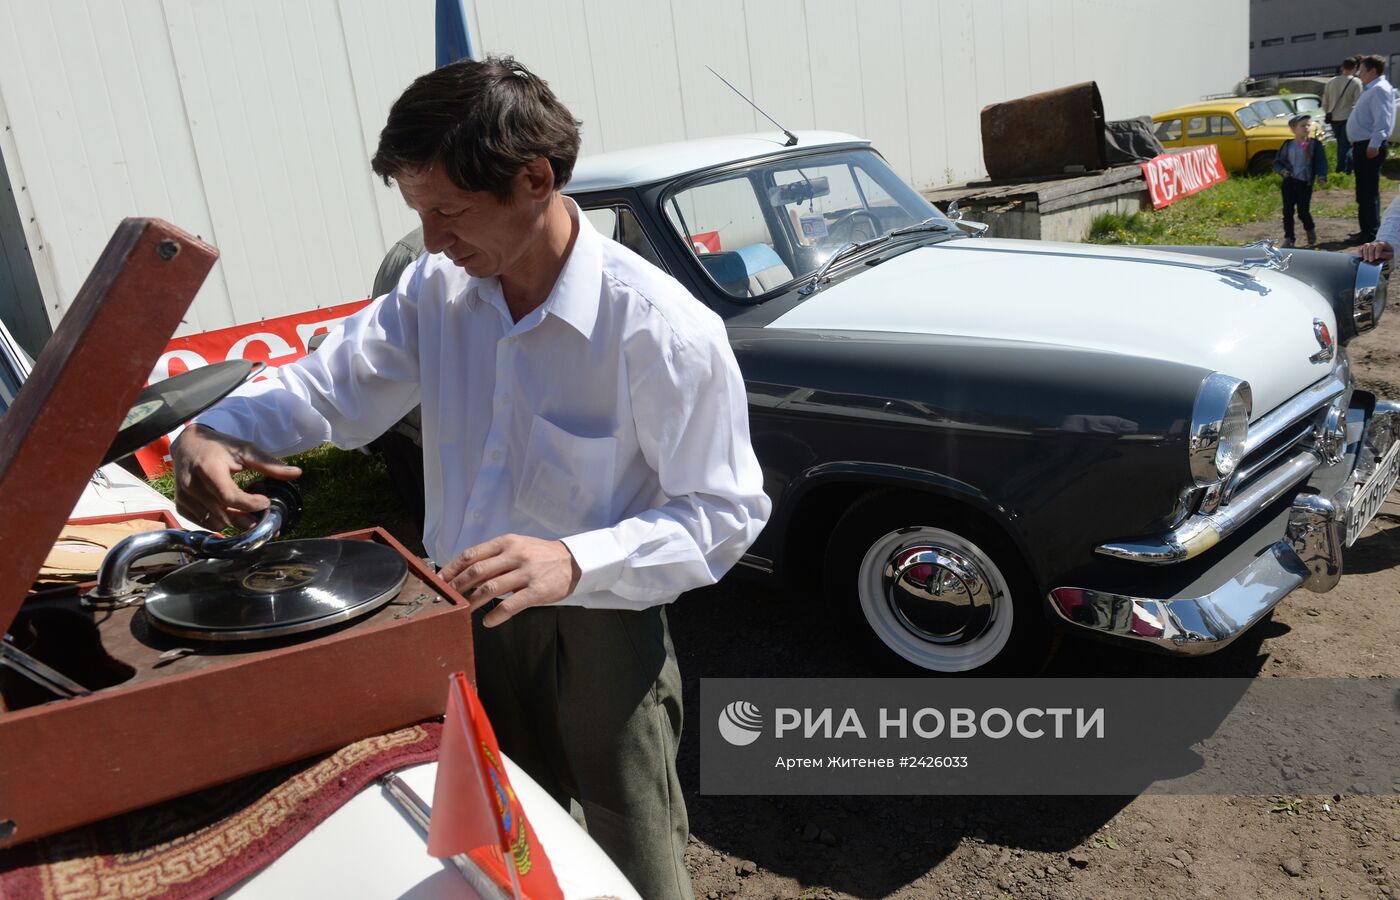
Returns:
(476, 515)
(495, 456)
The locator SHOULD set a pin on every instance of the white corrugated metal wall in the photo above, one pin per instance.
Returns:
(247, 123)
(252, 123)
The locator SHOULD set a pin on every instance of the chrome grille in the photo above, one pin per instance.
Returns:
(1297, 435)
(1276, 438)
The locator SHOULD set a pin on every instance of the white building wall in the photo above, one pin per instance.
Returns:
(251, 123)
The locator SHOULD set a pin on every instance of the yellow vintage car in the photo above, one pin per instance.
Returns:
(1247, 142)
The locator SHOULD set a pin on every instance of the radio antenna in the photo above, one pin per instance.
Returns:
(791, 138)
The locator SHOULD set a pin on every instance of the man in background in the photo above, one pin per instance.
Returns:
(1382, 249)
(1368, 129)
(1338, 99)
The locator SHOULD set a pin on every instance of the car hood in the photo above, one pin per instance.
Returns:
(1124, 300)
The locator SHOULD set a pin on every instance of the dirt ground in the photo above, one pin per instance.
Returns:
(1065, 847)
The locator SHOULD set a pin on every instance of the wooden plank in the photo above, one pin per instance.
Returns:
(64, 418)
(1124, 189)
(1116, 175)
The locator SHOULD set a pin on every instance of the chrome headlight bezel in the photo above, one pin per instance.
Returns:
(1368, 296)
(1219, 427)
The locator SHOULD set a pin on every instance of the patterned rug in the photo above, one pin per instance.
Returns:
(204, 843)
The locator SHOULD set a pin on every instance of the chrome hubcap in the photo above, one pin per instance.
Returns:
(935, 598)
(937, 594)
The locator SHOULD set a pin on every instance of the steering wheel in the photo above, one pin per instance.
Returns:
(853, 231)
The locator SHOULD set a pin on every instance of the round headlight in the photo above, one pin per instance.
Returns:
(1219, 427)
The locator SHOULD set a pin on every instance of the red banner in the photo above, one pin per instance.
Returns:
(1172, 176)
(275, 342)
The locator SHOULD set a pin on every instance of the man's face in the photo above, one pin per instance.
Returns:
(475, 229)
(1367, 74)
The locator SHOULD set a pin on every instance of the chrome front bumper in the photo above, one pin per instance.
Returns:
(1309, 555)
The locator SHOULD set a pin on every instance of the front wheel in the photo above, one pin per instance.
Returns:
(933, 591)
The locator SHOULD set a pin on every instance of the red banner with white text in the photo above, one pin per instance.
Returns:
(1172, 176)
(275, 342)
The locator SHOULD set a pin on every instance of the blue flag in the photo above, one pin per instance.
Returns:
(454, 41)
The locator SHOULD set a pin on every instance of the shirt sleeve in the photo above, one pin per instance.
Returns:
(691, 414)
(356, 385)
(1390, 225)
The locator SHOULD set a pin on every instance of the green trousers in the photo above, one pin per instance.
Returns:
(588, 701)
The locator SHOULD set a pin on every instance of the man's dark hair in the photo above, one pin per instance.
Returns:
(1349, 62)
(483, 120)
(1375, 62)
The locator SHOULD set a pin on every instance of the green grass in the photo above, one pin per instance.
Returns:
(342, 490)
(1199, 219)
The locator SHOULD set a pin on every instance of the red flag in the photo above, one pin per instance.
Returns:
(475, 810)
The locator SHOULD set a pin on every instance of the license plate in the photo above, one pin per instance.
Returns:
(1367, 502)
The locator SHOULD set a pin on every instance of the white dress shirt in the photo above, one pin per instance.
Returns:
(1373, 117)
(613, 417)
(1390, 225)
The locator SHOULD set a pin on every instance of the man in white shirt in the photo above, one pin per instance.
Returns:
(1369, 129)
(1382, 249)
(586, 446)
(1338, 98)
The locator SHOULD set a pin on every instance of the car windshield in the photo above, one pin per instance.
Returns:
(11, 375)
(1308, 104)
(1248, 117)
(1280, 107)
(758, 229)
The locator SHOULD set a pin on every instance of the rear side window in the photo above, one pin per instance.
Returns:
(620, 223)
(1169, 130)
(1222, 126)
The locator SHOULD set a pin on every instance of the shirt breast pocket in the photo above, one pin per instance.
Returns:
(566, 481)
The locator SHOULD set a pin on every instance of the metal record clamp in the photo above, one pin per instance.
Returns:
(117, 587)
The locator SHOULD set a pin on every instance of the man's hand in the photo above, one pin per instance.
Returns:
(1372, 152)
(1377, 252)
(205, 492)
(532, 570)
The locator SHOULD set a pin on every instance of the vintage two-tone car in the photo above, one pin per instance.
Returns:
(971, 442)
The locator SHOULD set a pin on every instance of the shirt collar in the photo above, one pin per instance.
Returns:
(575, 296)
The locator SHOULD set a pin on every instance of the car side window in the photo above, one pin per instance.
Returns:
(1221, 125)
(1169, 130)
(620, 223)
(1196, 127)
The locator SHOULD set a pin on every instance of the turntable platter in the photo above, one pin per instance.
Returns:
(284, 588)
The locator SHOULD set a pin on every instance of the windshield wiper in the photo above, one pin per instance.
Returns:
(820, 275)
(929, 224)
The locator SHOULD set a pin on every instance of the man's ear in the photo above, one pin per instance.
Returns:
(536, 179)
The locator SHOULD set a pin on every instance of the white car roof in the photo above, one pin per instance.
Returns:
(658, 162)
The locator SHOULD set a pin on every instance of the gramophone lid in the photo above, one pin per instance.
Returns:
(66, 416)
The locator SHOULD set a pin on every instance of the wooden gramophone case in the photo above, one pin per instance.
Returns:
(155, 728)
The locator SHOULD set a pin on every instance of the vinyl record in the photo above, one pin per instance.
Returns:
(284, 588)
(166, 405)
